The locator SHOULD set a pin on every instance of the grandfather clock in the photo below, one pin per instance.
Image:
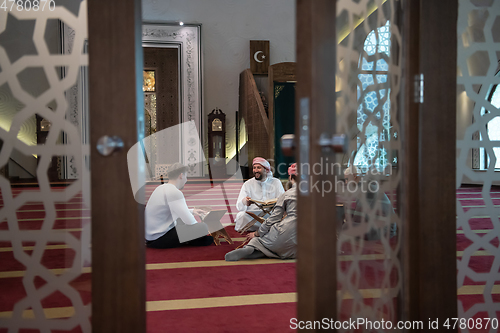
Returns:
(217, 143)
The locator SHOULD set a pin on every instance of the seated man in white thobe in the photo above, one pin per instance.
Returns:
(167, 208)
(263, 186)
(277, 236)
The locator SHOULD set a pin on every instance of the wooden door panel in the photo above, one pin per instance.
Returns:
(116, 104)
(378, 55)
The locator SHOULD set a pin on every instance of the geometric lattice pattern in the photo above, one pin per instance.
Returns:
(44, 229)
(477, 45)
(493, 128)
(161, 170)
(368, 92)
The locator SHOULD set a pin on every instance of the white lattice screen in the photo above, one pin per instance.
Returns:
(478, 226)
(368, 90)
(44, 229)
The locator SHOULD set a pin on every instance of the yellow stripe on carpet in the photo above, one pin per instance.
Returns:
(59, 218)
(481, 206)
(280, 298)
(475, 254)
(478, 196)
(55, 271)
(38, 203)
(477, 290)
(226, 301)
(216, 302)
(28, 248)
(479, 217)
(484, 231)
(57, 210)
(216, 263)
(50, 313)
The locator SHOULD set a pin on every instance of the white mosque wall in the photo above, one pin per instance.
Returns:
(227, 28)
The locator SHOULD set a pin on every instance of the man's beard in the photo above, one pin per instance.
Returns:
(258, 175)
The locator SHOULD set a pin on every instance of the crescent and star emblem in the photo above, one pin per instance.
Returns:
(256, 56)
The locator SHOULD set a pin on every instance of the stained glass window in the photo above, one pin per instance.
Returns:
(373, 115)
(149, 83)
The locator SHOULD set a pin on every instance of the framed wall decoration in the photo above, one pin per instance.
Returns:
(187, 39)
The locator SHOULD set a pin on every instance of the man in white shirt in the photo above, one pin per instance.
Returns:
(263, 186)
(165, 206)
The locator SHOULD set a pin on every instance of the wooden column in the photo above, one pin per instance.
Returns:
(316, 266)
(115, 82)
(437, 161)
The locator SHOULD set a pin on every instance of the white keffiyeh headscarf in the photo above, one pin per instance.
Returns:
(265, 164)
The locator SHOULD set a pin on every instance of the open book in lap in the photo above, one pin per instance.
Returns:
(264, 203)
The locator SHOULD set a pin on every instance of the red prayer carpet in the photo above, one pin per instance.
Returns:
(193, 289)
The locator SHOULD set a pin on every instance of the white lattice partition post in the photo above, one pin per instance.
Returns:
(77, 97)
(479, 262)
(54, 232)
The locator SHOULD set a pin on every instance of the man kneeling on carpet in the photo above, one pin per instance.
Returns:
(263, 186)
(166, 211)
(277, 236)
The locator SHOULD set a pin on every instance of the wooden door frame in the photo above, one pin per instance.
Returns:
(429, 162)
(431, 270)
(316, 259)
(118, 249)
(428, 215)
